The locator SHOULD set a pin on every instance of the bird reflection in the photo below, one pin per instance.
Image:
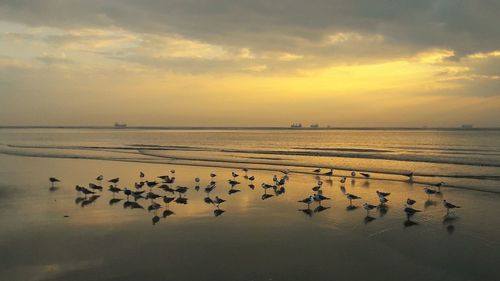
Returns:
(113, 201)
(383, 209)
(78, 200)
(233, 191)
(167, 213)
(307, 211)
(429, 203)
(218, 212)
(351, 208)
(90, 200)
(132, 205)
(320, 209)
(408, 223)
(369, 219)
(155, 220)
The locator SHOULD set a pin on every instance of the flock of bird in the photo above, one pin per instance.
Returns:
(150, 190)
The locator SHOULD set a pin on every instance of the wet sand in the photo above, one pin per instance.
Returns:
(253, 239)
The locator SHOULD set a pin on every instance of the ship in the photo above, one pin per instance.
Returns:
(120, 125)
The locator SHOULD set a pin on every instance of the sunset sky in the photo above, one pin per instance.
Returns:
(250, 63)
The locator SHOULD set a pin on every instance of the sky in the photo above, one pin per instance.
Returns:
(250, 63)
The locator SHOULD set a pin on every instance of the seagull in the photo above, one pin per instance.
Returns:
(181, 200)
(449, 206)
(351, 197)
(317, 171)
(218, 200)
(141, 174)
(308, 200)
(213, 175)
(234, 175)
(410, 212)
(383, 194)
(320, 197)
(366, 175)
(181, 189)
(139, 185)
(368, 207)
(167, 199)
(251, 178)
(95, 187)
(154, 206)
(209, 188)
(79, 188)
(233, 182)
(330, 173)
(127, 192)
(114, 189)
(429, 191)
(86, 191)
(167, 188)
(100, 178)
(155, 219)
(343, 180)
(410, 202)
(172, 171)
(53, 181)
(151, 184)
(353, 174)
(151, 195)
(114, 181)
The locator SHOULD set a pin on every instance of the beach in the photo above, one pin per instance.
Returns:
(50, 235)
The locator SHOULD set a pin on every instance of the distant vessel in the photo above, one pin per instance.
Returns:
(314, 126)
(296, 125)
(120, 125)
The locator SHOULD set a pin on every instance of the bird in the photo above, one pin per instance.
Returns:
(438, 185)
(410, 176)
(218, 201)
(308, 200)
(86, 191)
(167, 199)
(343, 180)
(383, 200)
(429, 191)
(366, 175)
(167, 188)
(351, 197)
(141, 174)
(234, 175)
(233, 182)
(114, 181)
(99, 178)
(172, 171)
(410, 202)
(181, 189)
(114, 189)
(316, 188)
(213, 175)
(353, 174)
(245, 170)
(151, 184)
(251, 178)
(197, 180)
(53, 181)
(317, 171)
(127, 192)
(139, 185)
(155, 219)
(410, 212)
(449, 206)
(209, 188)
(79, 188)
(368, 208)
(383, 194)
(330, 173)
(151, 195)
(318, 197)
(95, 187)
(154, 206)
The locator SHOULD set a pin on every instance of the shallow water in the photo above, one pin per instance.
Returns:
(254, 239)
(460, 158)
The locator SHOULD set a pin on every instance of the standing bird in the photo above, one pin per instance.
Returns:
(368, 208)
(353, 174)
(234, 175)
(308, 200)
(53, 181)
(141, 174)
(330, 173)
(251, 178)
(99, 178)
(317, 171)
(351, 197)
(383, 194)
(410, 212)
(429, 192)
(172, 171)
(217, 201)
(213, 175)
(449, 206)
(114, 181)
(197, 180)
(366, 175)
(410, 202)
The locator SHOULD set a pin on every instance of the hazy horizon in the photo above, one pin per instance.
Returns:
(238, 63)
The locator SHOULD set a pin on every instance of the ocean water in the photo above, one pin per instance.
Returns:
(51, 234)
(459, 158)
